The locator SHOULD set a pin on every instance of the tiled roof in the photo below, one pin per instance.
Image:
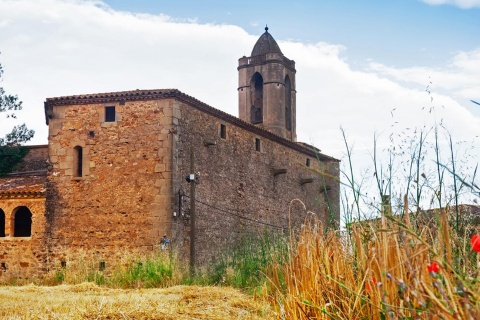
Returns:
(155, 94)
(25, 185)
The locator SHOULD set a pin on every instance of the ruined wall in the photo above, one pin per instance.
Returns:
(238, 184)
(23, 257)
(122, 202)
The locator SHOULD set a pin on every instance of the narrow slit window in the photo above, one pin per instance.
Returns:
(2, 223)
(307, 163)
(223, 131)
(257, 144)
(77, 161)
(110, 114)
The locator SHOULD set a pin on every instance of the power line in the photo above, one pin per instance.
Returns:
(239, 216)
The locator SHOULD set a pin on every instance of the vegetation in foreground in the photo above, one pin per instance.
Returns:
(89, 301)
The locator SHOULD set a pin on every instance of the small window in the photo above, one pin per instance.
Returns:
(2, 223)
(77, 161)
(110, 114)
(307, 163)
(257, 144)
(22, 225)
(223, 131)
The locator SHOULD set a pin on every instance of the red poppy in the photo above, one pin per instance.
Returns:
(367, 287)
(475, 241)
(374, 280)
(433, 267)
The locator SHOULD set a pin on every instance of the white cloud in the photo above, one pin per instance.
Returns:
(464, 4)
(54, 48)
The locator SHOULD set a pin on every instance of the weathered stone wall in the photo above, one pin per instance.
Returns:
(238, 184)
(123, 201)
(36, 159)
(22, 257)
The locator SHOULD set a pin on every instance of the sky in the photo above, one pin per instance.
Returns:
(384, 68)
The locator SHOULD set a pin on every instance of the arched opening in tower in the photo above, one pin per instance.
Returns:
(256, 96)
(288, 104)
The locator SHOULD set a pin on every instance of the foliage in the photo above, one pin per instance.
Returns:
(9, 157)
(245, 266)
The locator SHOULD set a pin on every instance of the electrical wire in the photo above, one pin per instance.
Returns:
(238, 215)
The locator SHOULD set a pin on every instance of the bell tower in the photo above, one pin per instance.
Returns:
(266, 88)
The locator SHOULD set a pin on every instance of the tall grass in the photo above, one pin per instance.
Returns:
(391, 260)
(140, 270)
(384, 271)
(245, 264)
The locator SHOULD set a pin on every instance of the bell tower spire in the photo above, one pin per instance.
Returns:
(266, 88)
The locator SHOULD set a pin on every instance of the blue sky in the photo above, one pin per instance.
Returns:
(397, 32)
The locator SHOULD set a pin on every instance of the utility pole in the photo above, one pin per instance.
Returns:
(192, 211)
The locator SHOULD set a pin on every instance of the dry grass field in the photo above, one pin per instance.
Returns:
(89, 301)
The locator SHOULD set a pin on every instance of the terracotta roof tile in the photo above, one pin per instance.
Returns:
(154, 94)
(29, 185)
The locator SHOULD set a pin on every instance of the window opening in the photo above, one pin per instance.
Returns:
(288, 104)
(77, 161)
(256, 97)
(101, 266)
(2, 223)
(307, 163)
(257, 144)
(22, 226)
(223, 131)
(110, 114)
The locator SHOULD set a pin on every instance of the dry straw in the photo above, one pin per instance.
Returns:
(385, 269)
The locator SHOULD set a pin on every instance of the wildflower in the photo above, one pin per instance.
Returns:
(367, 287)
(367, 284)
(434, 267)
(475, 241)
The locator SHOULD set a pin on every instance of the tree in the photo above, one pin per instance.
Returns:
(10, 151)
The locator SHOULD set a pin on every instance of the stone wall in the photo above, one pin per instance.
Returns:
(36, 159)
(122, 202)
(238, 184)
(22, 257)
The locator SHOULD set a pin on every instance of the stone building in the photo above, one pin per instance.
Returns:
(117, 166)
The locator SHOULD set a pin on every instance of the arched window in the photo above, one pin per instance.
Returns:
(288, 104)
(22, 224)
(256, 96)
(77, 161)
(2, 223)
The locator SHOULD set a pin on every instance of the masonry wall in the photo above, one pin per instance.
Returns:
(23, 257)
(122, 202)
(35, 159)
(238, 184)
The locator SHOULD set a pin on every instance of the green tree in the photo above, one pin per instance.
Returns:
(10, 151)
